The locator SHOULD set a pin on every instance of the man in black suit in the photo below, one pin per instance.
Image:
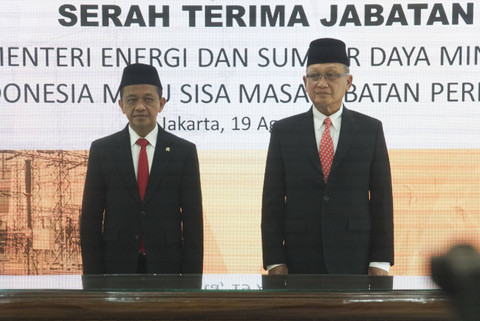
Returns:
(125, 228)
(321, 215)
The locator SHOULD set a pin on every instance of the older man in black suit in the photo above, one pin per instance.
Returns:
(327, 197)
(142, 203)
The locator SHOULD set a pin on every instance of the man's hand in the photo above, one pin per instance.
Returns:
(373, 271)
(278, 270)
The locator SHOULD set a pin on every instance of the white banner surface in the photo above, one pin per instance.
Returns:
(231, 69)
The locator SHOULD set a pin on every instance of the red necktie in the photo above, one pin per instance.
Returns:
(326, 149)
(142, 175)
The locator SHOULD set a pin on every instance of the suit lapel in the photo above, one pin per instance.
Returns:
(163, 151)
(307, 136)
(347, 133)
(123, 155)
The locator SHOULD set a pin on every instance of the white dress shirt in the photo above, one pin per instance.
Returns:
(152, 141)
(318, 123)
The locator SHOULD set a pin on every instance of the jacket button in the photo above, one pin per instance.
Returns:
(326, 198)
(137, 237)
(143, 213)
(319, 181)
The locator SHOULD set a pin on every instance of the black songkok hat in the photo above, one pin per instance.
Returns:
(327, 50)
(140, 74)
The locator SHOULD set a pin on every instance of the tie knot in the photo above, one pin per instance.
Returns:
(142, 142)
(327, 122)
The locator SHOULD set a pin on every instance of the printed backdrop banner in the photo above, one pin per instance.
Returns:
(230, 70)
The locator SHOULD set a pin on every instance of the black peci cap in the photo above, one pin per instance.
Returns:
(140, 74)
(327, 50)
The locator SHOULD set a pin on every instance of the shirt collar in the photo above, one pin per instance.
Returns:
(336, 118)
(151, 137)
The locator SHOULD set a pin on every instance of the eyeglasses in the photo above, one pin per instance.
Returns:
(329, 76)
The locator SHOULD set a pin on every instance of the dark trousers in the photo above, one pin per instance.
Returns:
(142, 264)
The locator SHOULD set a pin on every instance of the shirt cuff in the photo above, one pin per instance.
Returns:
(269, 267)
(381, 265)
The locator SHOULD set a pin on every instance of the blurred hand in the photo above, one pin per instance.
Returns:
(373, 271)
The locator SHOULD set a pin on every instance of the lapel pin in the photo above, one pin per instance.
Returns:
(167, 149)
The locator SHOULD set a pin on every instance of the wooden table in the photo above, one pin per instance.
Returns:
(221, 297)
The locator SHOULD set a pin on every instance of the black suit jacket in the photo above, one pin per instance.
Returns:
(114, 219)
(344, 224)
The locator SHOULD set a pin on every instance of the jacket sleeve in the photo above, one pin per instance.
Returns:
(192, 215)
(273, 204)
(91, 218)
(381, 203)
